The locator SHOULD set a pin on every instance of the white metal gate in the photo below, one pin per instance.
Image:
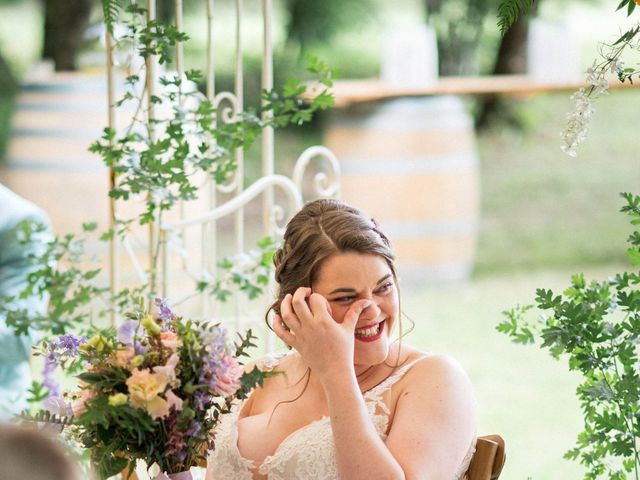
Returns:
(190, 242)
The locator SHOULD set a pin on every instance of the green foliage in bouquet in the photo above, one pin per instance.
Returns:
(597, 326)
(152, 390)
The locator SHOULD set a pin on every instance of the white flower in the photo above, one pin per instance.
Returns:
(596, 77)
(577, 124)
(616, 66)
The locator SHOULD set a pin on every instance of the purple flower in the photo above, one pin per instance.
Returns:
(221, 375)
(164, 313)
(140, 349)
(69, 344)
(127, 332)
(48, 380)
(201, 400)
(195, 430)
(215, 341)
(220, 371)
(56, 405)
(64, 347)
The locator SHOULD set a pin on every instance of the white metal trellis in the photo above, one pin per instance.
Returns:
(176, 236)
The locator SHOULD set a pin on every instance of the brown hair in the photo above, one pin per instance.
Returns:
(27, 453)
(320, 229)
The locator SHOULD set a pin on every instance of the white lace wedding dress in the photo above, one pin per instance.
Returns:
(306, 454)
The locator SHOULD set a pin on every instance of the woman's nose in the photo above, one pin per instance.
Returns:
(371, 312)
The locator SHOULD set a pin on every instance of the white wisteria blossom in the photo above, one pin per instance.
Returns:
(578, 123)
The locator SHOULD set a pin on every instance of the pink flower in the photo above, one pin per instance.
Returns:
(169, 368)
(170, 340)
(123, 356)
(227, 380)
(144, 388)
(79, 406)
(173, 400)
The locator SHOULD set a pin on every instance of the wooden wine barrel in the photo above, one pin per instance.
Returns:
(57, 117)
(411, 163)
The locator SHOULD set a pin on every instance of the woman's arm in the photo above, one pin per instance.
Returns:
(434, 425)
(360, 452)
(432, 431)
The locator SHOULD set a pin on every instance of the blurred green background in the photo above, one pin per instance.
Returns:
(543, 216)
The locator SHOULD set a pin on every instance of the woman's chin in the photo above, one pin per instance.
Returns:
(371, 354)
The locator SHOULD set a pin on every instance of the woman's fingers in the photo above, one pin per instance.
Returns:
(318, 304)
(299, 304)
(282, 331)
(287, 313)
(354, 312)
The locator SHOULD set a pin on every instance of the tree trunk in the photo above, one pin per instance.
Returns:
(8, 82)
(64, 24)
(511, 59)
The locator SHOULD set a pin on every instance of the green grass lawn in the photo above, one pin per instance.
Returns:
(543, 209)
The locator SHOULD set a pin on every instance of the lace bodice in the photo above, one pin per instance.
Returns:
(307, 453)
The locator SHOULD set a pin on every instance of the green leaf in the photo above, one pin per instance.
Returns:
(293, 87)
(631, 7)
(111, 465)
(92, 378)
(250, 380)
(110, 10)
(37, 392)
(314, 65)
(622, 4)
(509, 11)
(633, 254)
(324, 100)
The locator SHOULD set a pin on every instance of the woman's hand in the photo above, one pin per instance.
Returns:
(324, 344)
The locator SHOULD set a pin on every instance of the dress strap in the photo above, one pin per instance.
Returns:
(270, 361)
(376, 391)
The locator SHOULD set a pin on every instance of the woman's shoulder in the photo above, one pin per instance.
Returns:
(431, 369)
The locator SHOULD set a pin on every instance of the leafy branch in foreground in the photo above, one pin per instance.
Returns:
(110, 11)
(63, 272)
(597, 326)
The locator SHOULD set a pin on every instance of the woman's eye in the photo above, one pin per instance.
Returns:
(344, 299)
(386, 287)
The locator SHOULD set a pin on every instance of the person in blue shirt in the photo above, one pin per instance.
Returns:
(15, 377)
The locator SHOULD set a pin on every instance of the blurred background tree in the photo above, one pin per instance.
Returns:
(459, 25)
(311, 22)
(65, 22)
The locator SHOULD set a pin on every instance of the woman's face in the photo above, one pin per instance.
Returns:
(344, 278)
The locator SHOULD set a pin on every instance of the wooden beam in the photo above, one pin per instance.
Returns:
(349, 92)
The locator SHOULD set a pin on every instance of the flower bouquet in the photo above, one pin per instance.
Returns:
(152, 390)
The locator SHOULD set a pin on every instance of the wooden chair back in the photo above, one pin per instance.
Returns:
(488, 459)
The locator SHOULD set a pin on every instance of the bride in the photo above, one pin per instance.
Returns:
(349, 401)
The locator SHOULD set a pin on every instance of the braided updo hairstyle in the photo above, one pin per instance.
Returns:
(320, 229)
